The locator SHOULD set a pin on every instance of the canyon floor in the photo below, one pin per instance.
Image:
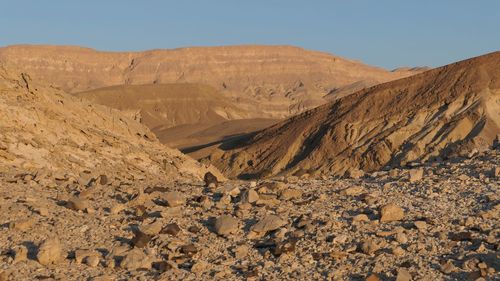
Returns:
(434, 221)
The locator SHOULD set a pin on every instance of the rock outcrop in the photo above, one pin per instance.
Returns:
(44, 128)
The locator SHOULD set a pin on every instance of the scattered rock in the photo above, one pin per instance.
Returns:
(174, 199)
(225, 225)
(135, 259)
(373, 277)
(20, 254)
(22, 225)
(354, 174)
(172, 229)
(140, 239)
(250, 196)
(403, 275)
(401, 238)
(268, 223)
(50, 252)
(291, 193)
(416, 175)
(241, 251)
(361, 217)
(369, 247)
(77, 204)
(420, 225)
(391, 212)
(200, 267)
(189, 249)
(352, 191)
(92, 261)
(210, 180)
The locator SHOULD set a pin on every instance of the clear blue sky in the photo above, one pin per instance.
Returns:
(386, 33)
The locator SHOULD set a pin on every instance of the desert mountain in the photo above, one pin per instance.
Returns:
(168, 105)
(181, 115)
(46, 129)
(271, 81)
(434, 114)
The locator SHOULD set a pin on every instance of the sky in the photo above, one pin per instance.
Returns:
(386, 33)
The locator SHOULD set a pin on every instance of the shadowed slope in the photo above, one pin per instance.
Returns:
(433, 114)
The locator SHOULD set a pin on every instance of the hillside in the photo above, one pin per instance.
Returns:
(53, 133)
(271, 81)
(445, 111)
(168, 105)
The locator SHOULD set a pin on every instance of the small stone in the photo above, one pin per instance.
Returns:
(189, 249)
(275, 186)
(92, 261)
(291, 193)
(285, 247)
(4, 276)
(352, 191)
(200, 267)
(22, 225)
(77, 204)
(194, 229)
(495, 172)
(117, 208)
(174, 199)
(448, 267)
(171, 212)
(391, 212)
(241, 251)
(421, 225)
(398, 251)
(162, 266)
(141, 239)
(369, 247)
(401, 238)
(373, 277)
(361, 217)
(461, 236)
(42, 211)
(103, 179)
(50, 252)
(210, 179)
(234, 191)
(225, 225)
(250, 196)
(416, 175)
(135, 259)
(268, 223)
(354, 173)
(20, 254)
(81, 254)
(152, 228)
(172, 229)
(403, 275)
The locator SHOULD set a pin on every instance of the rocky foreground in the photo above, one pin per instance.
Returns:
(437, 221)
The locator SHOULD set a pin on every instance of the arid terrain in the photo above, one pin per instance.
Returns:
(445, 111)
(308, 168)
(230, 83)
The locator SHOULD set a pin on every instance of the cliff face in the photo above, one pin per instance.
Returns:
(272, 81)
(43, 128)
(441, 112)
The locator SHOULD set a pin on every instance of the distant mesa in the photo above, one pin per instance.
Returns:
(269, 81)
